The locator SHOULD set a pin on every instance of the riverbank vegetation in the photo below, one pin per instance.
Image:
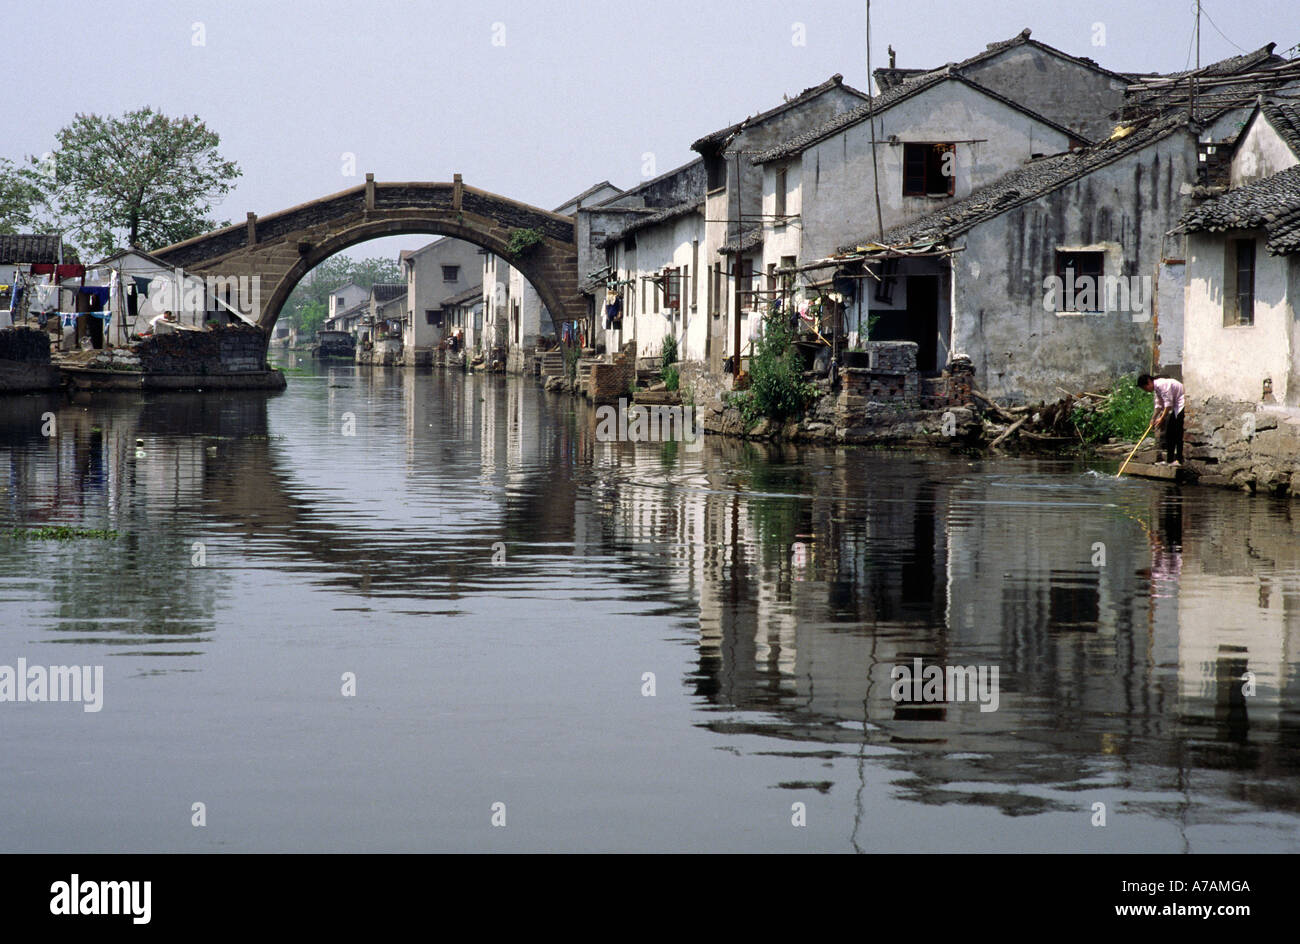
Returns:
(776, 389)
(1122, 413)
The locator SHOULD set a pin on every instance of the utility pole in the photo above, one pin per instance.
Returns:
(737, 270)
(1191, 91)
(871, 119)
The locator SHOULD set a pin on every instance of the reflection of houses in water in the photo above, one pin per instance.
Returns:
(1239, 605)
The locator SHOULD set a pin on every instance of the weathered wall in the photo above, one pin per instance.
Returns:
(837, 192)
(1244, 445)
(1023, 351)
(669, 244)
(1068, 92)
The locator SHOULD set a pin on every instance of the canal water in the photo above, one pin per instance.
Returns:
(396, 611)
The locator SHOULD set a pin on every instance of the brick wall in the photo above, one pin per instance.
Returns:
(610, 381)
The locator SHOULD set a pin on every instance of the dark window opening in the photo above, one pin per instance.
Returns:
(715, 172)
(1239, 299)
(451, 273)
(929, 170)
(1082, 286)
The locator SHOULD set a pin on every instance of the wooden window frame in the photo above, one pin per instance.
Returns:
(923, 165)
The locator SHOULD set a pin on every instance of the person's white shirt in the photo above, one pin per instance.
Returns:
(1168, 393)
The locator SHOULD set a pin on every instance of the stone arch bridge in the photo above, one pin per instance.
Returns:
(281, 248)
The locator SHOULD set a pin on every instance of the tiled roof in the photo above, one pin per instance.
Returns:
(659, 216)
(1271, 204)
(31, 248)
(589, 191)
(387, 291)
(1028, 183)
(1285, 119)
(750, 240)
(893, 77)
(1146, 101)
(886, 100)
(469, 295)
(717, 137)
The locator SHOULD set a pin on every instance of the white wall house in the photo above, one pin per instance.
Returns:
(434, 273)
(656, 265)
(1242, 339)
(345, 297)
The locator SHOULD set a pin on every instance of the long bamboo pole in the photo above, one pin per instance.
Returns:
(1135, 448)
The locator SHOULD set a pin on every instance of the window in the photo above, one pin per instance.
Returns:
(715, 170)
(747, 284)
(1239, 283)
(787, 278)
(693, 290)
(1082, 286)
(929, 170)
(673, 290)
(432, 316)
(779, 208)
(339, 300)
(451, 273)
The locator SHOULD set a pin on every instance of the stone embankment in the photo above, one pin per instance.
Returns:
(25, 365)
(1251, 446)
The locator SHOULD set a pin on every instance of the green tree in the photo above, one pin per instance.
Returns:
(142, 177)
(21, 196)
(308, 303)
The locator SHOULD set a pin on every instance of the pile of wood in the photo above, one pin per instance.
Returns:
(1036, 426)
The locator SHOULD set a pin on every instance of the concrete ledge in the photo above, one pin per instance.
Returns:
(82, 379)
(22, 377)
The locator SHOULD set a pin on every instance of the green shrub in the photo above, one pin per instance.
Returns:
(672, 377)
(776, 386)
(523, 241)
(571, 355)
(668, 353)
(1124, 414)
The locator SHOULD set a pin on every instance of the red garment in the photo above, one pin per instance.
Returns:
(59, 272)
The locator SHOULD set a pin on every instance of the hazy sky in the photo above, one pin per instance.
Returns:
(535, 100)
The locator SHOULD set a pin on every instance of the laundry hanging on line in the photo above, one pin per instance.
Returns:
(59, 272)
(98, 292)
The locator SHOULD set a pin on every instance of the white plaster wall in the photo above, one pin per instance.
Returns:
(1232, 362)
(1261, 153)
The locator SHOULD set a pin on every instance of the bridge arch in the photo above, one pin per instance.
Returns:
(281, 248)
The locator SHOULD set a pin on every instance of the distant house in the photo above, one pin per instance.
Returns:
(606, 264)
(463, 316)
(345, 297)
(434, 273)
(733, 205)
(1243, 270)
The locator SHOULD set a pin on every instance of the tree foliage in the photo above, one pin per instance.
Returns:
(142, 179)
(308, 303)
(21, 196)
